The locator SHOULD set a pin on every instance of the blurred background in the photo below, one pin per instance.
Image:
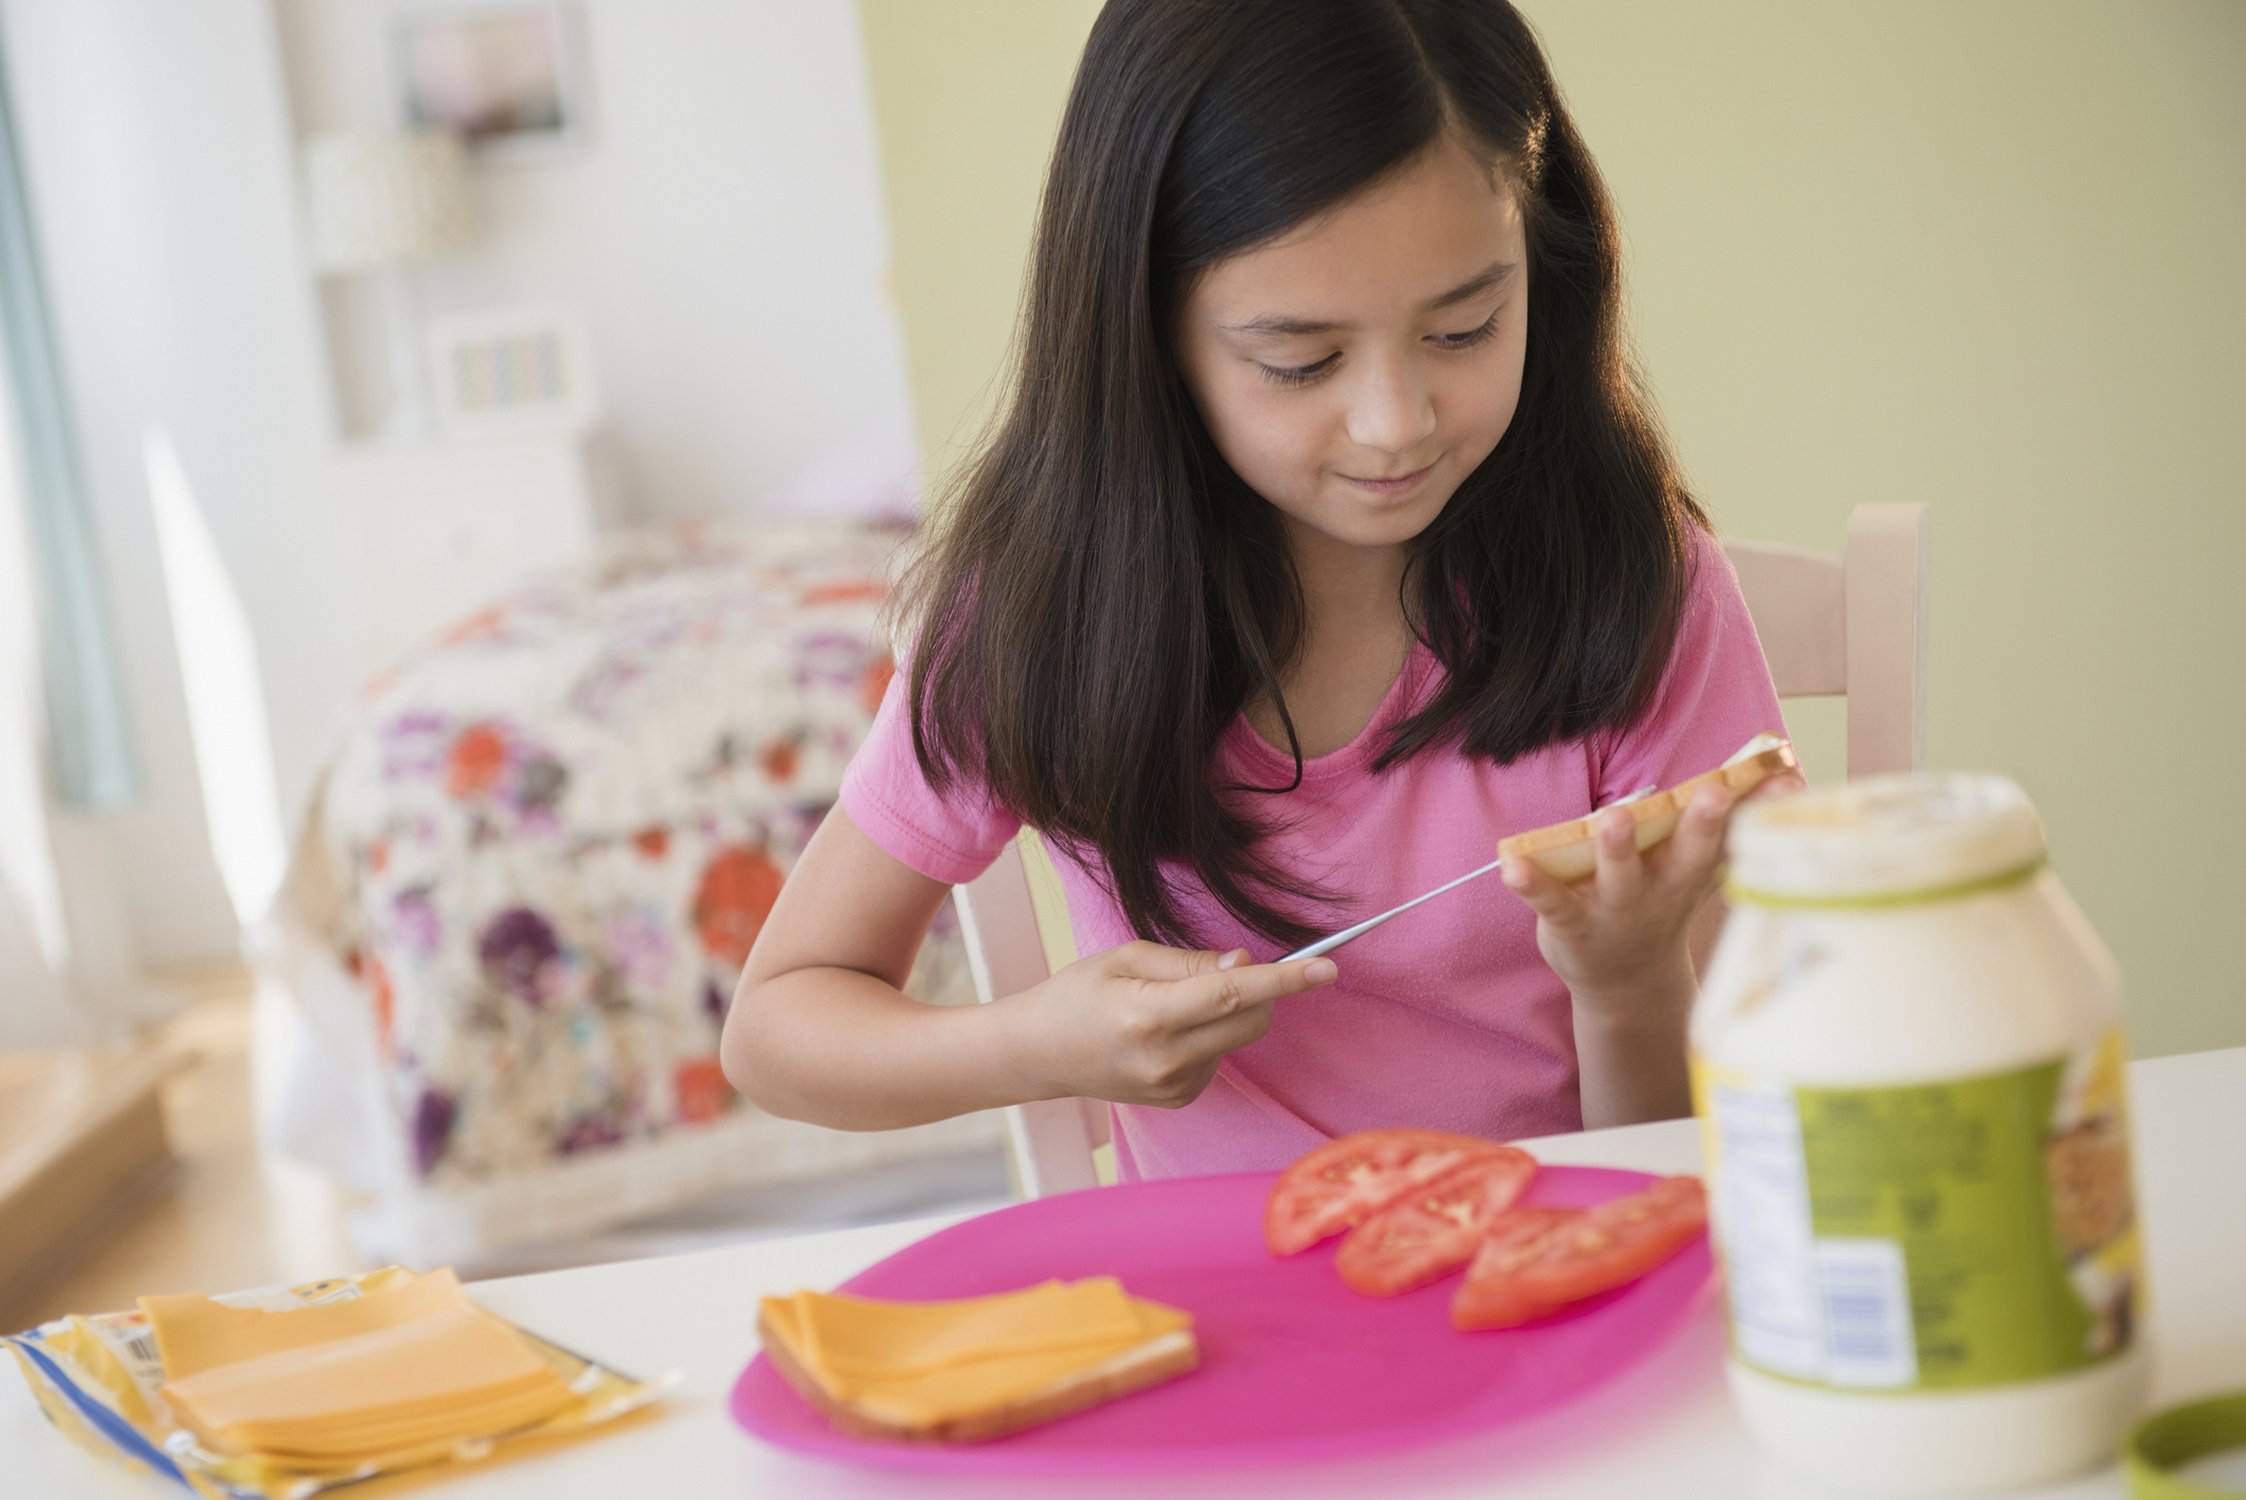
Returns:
(454, 449)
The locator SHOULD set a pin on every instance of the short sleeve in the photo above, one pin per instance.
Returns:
(1715, 695)
(951, 836)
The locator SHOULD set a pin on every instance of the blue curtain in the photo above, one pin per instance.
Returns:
(93, 764)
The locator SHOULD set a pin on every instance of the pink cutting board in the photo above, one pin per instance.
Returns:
(1295, 1367)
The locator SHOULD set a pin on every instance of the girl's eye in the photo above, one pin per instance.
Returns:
(1298, 374)
(1468, 339)
(1304, 374)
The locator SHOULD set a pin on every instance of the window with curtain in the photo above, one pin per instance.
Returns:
(31, 930)
(91, 765)
(63, 739)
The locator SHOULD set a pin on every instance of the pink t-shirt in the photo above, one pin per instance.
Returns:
(1447, 1018)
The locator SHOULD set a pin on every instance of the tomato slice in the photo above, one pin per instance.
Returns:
(1434, 1229)
(1349, 1179)
(1537, 1261)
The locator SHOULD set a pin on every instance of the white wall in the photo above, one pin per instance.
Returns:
(721, 234)
(156, 152)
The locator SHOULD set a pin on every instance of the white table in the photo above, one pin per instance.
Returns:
(1666, 1428)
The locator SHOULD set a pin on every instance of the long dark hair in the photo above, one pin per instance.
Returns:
(1101, 595)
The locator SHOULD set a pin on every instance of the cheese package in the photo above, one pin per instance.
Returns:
(976, 1367)
(263, 1395)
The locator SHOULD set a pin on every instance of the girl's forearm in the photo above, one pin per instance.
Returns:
(839, 1048)
(1630, 1053)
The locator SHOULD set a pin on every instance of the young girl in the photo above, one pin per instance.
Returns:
(1327, 540)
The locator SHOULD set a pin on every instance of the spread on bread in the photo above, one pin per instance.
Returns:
(1569, 851)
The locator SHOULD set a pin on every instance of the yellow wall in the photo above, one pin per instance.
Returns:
(967, 95)
(1985, 256)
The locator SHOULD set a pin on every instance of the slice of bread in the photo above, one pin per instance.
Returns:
(1569, 851)
(1162, 1357)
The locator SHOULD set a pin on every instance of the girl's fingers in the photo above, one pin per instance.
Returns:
(1696, 849)
(1215, 1038)
(1238, 991)
(1144, 960)
(1621, 873)
(1785, 784)
(1551, 900)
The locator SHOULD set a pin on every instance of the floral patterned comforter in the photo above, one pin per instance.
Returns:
(544, 851)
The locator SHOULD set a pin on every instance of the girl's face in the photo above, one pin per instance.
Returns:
(1354, 371)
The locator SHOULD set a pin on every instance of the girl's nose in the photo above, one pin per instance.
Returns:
(1391, 411)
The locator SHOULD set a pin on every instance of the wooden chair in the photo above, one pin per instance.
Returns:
(1850, 625)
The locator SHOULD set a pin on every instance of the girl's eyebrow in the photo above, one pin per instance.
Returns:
(1280, 323)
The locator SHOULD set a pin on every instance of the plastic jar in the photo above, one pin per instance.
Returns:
(1908, 1066)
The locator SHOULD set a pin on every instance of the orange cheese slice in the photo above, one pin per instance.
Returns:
(921, 1362)
(194, 1334)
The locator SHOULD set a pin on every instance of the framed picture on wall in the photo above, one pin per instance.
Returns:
(511, 368)
(506, 76)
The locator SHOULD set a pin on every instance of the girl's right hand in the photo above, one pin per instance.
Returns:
(1145, 1024)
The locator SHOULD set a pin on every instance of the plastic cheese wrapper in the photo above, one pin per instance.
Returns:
(278, 1394)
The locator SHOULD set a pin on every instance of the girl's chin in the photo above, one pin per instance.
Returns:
(1362, 521)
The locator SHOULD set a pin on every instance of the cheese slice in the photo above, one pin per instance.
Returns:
(856, 1336)
(417, 1365)
(331, 1444)
(194, 1334)
(318, 1443)
(927, 1362)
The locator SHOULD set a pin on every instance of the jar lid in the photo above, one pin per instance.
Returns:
(1885, 840)
(2166, 1441)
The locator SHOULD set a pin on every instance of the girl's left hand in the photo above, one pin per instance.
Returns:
(1626, 929)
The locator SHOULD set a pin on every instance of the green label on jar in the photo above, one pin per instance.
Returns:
(1930, 1237)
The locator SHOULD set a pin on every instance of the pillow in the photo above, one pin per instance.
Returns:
(875, 475)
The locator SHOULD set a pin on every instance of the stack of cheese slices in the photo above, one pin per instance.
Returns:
(402, 1368)
(977, 1368)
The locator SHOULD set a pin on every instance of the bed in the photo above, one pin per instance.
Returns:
(518, 903)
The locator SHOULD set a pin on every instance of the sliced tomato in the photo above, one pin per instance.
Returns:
(1537, 1261)
(1432, 1230)
(1349, 1179)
